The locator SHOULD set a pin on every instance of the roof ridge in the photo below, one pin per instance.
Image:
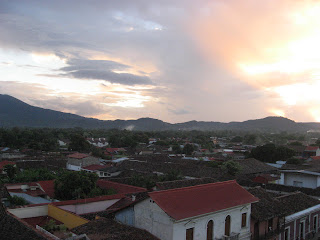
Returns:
(122, 184)
(196, 186)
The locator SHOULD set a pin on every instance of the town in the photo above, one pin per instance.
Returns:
(120, 184)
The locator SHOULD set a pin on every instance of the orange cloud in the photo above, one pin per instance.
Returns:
(270, 45)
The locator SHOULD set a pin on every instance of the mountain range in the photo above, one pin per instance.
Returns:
(15, 113)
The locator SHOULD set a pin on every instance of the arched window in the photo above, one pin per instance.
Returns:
(227, 226)
(210, 230)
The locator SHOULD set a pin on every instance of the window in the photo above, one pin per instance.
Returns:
(227, 226)
(270, 224)
(210, 230)
(244, 220)
(287, 233)
(301, 230)
(315, 223)
(189, 234)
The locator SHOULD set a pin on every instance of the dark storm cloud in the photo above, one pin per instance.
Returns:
(103, 70)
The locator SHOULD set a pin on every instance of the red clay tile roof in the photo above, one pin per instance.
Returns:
(311, 148)
(197, 200)
(94, 167)
(119, 187)
(78, 155)
(48, 187)
(111, 150)
(5, 162)
(315, 157)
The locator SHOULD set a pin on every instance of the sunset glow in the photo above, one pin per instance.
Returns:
(166, 61)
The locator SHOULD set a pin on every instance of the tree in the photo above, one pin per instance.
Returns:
(250, 139)
(270, 153)
(236, 139)
(295, 161)
(17, 201)
(188, 149)
(176, 149)
(79, 143)
(10, 170)
(231, 167)
(75, 185)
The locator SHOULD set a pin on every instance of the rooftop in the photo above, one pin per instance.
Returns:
(119, 187)
(78, 155)
(104, 228)
(312, 148)
(5, 162)
(94, 167)
(183, 183)
(192, 201)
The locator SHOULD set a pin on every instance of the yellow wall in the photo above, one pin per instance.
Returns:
(69, 219)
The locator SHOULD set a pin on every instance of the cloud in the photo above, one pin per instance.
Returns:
(180, 111)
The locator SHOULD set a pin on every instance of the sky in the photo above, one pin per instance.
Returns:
(176, 60)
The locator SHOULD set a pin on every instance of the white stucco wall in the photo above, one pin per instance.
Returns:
(200, 224)
(308, 181)
(149, 216)
(89, 207)
(73, 167)
(29, 212)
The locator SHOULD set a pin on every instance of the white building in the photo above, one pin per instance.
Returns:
(209, 211)
(300, 178)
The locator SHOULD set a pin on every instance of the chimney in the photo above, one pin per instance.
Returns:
(133, 198)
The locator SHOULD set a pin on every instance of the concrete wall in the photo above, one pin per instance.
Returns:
(126, 216)
(263, 228)
(89, 207)
(294, 225)
(73, 167)
(308, 181)
(149, 216)
(69, 219)
(29, 212)
(200, 224)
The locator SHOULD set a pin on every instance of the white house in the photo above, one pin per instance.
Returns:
(210, 211)
(77, 161)
(300, 178)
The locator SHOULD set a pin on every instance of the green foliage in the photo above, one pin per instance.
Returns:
(214, 164)
(295, 161)
(172, 175)
(33, 175)
(75, 185)
(271, 153)
(51, 226)
(176, 149)
(17, 201)
(236, 139)
(250, 139)
(231, 167)
(79, 143)
(149, 182)
(296, 143)
(162, 143)
(38, 139)
(10, 170)
(188, 149)
(142, 181)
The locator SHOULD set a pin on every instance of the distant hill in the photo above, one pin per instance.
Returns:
(15, 113)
